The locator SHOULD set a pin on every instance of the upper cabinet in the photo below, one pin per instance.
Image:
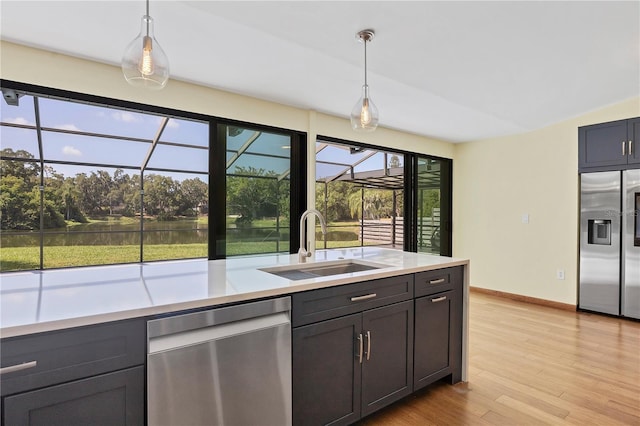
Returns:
(634, 147)
(609, 146)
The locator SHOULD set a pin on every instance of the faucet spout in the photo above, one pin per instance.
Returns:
(303, 253)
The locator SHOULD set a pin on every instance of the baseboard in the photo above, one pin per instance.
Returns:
(526, 299)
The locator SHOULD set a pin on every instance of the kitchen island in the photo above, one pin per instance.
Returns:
(45, 303)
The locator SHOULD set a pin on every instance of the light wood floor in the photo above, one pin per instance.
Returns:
(532, 365)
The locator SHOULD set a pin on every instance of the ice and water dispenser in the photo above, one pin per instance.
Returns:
(599, 232)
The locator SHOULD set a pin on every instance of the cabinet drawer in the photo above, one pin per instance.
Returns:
(431, 282)
(109, 399)
(318, 305)
(65, 355)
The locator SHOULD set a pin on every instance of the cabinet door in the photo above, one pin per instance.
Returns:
(601, 145)
(70, 354)
(634, 137)
(387, 367)
(109, 399)
(326, 372)
(433, 332)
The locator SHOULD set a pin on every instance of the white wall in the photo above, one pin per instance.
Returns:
(498, 180)
(43, 68)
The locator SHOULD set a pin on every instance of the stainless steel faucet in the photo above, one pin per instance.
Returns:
(302, 252)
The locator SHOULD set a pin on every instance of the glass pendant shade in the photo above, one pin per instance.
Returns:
(364, 116)
(144, 63)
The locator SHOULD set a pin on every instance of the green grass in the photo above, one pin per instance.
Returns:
(258, 247)
(26, 258)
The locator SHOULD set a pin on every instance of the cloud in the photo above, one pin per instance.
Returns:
(18, 120)
(69, 150)
(71, 127)
(125, 116)
(172, 124)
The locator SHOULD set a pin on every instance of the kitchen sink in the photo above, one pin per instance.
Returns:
(323, 269)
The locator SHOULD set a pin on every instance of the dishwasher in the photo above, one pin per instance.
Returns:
(225, 366)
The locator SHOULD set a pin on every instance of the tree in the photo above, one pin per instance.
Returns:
(19, 204)
(284, 199)
(62, 194)
(20, 195)
(25, 170)
(430, 200)
(162, 196)
(195, 193)
(337, 205)
(377, 203)
(251, 193)
(130, 195)
(69, 195)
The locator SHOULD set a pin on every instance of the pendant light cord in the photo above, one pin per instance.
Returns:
(147, 18)
(364, 40)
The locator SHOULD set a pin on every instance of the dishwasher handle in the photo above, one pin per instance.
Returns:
(218, 332)
(218, 316)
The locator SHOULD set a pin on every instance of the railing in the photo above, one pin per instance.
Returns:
(381, 231)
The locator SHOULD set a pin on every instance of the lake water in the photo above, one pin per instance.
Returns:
(114, 233)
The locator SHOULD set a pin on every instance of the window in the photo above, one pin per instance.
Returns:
(433, 205)
(88, 184)
(360, 193)
(94, 181)
(258, 173)
(371, 196)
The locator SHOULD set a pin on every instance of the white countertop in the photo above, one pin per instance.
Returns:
(37, 301)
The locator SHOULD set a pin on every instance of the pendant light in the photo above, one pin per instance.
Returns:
(364, 116)
(144, 63)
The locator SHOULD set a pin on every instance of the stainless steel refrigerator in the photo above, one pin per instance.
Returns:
(610, 243)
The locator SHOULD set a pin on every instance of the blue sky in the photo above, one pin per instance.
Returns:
(90, 149)
(74, 116)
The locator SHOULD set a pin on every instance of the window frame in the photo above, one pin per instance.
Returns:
(216, 170)
(410, 193)
(298, 159)
(218, 173)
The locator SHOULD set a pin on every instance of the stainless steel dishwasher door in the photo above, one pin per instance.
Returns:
(227, 366)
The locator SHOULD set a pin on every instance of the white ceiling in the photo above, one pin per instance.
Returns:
(455, 71)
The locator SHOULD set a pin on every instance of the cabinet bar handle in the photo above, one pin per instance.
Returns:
(438, 281)
(361, 345)
(365, 297)
(624, 147)
(439, 299)
(630, 147)
(368, 345)
(18, 367)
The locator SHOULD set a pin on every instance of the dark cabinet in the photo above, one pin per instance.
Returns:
(438, 327)
(634, 141)
(108, 399)
(432, 359)
(84, 375)
(326, 372)
(387, 356)
(609, 146)
(348, 367)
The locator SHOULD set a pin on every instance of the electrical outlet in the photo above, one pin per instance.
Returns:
(525, 218)
(560, 274)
